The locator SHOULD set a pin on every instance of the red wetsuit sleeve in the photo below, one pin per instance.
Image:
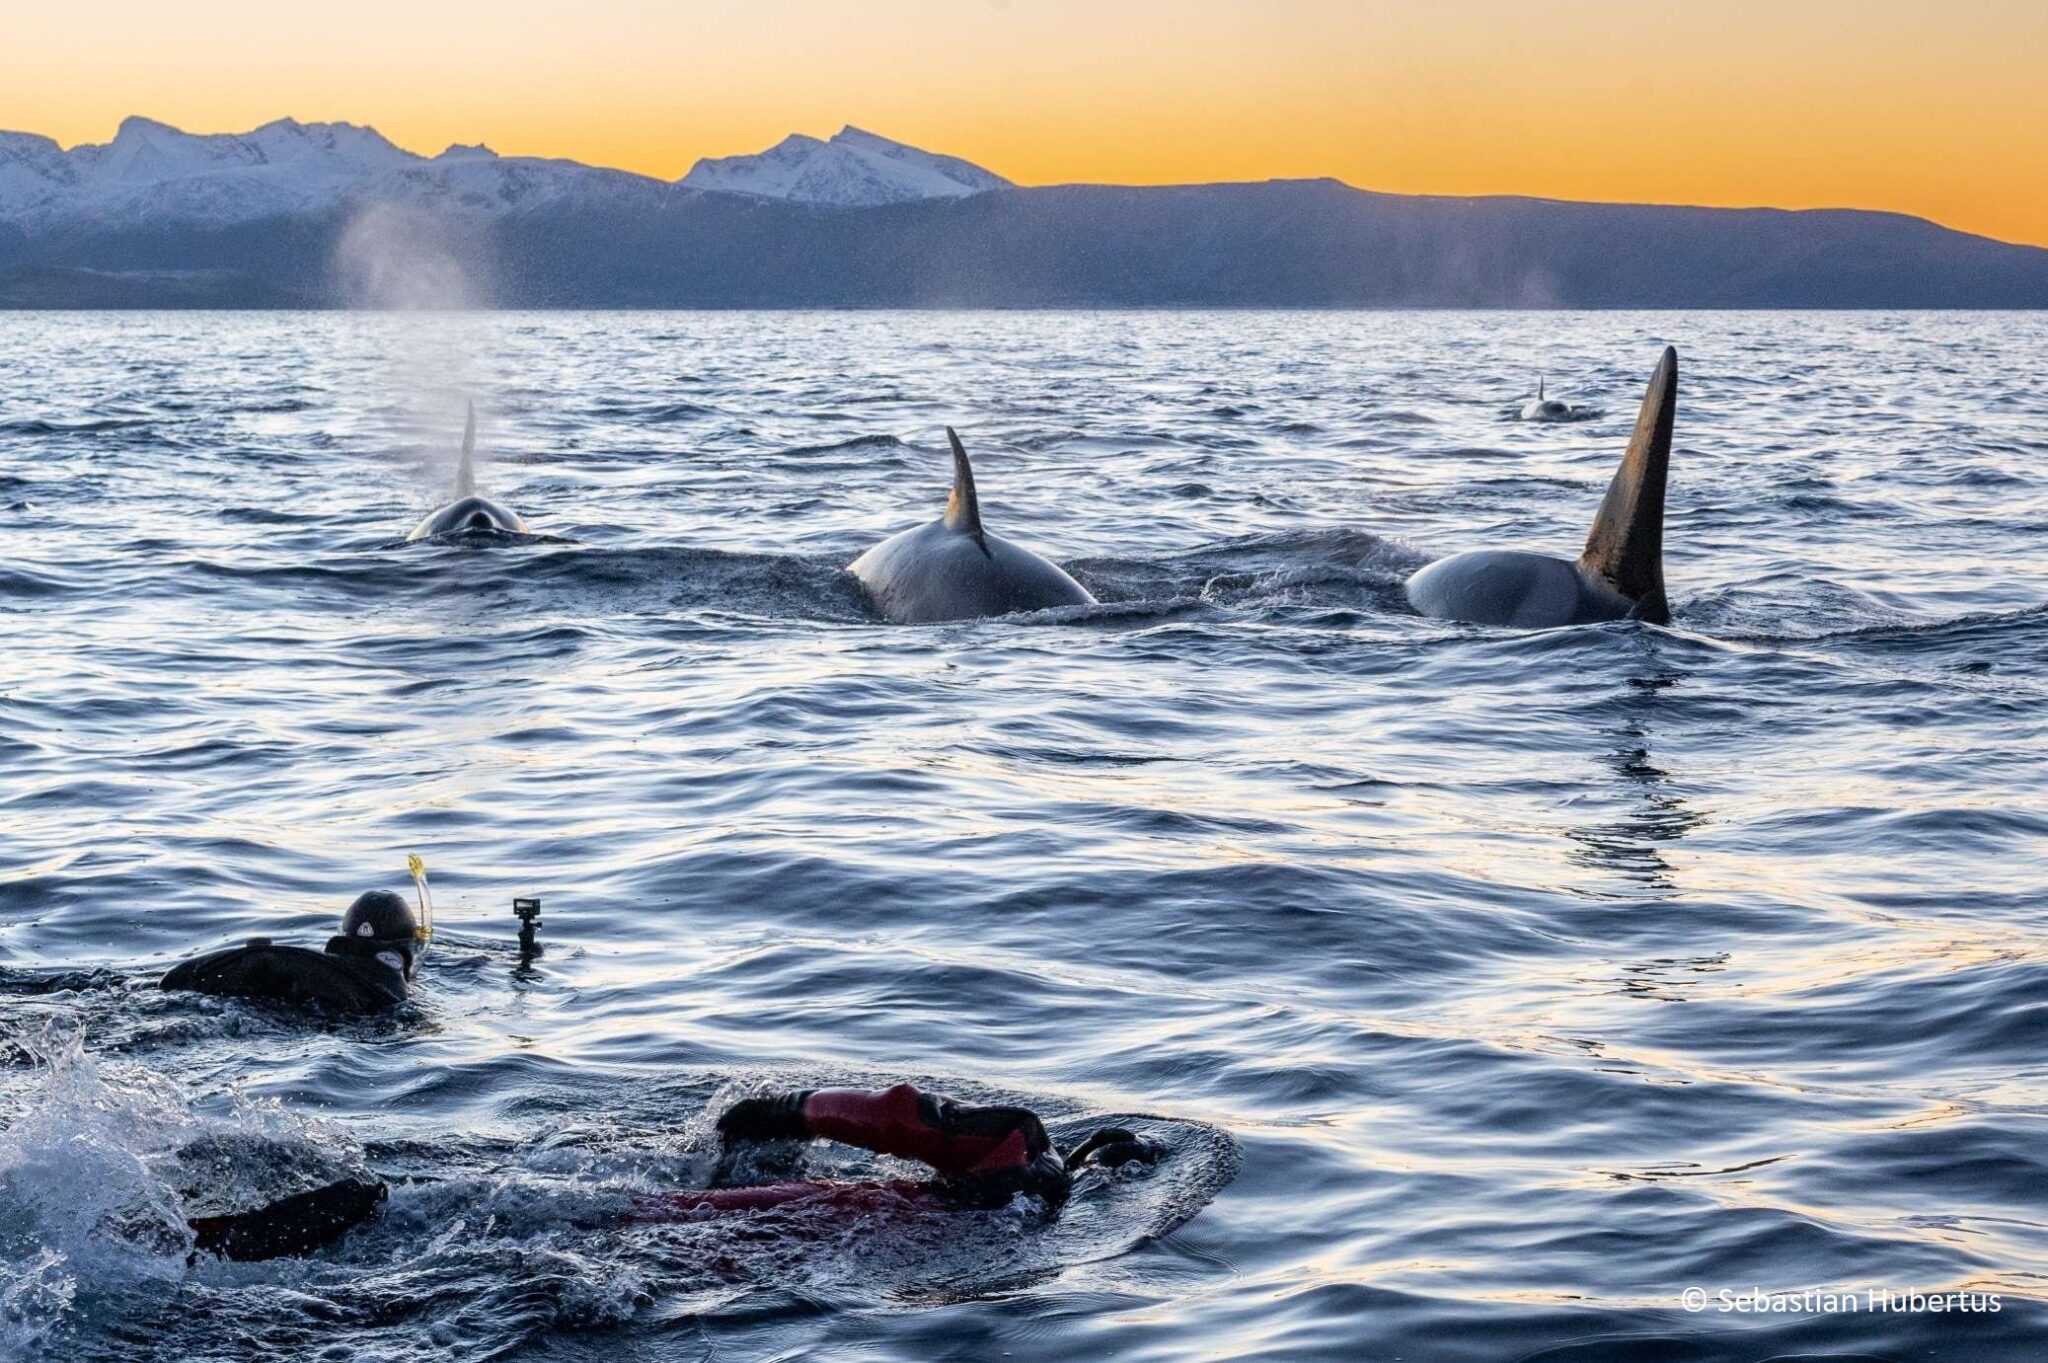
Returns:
(983, 1155)
(901, 1121)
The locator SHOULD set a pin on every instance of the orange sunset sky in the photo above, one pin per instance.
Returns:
(1934, 109)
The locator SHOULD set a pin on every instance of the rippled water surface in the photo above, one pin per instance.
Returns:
(1522, 980)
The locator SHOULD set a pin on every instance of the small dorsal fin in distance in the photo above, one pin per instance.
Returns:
(1539, 388)
(1626, 546)
(465, 472)
(963, 508)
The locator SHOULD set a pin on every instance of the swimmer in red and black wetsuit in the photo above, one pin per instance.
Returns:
(983, 1156)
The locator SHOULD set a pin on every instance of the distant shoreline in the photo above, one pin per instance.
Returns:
(1296, 245)
(879, 309)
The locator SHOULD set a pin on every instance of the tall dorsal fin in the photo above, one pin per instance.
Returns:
(465, 472)
(963, 508)
(1626, 546)
(1539, 388)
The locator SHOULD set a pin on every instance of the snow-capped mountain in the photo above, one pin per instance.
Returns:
(854, 169)
(152, 172)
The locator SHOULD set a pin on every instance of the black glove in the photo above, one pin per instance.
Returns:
(1113, 1146)
(294, 1225)
(773, 1117)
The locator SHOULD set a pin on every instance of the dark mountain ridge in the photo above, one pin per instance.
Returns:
(1313, 243)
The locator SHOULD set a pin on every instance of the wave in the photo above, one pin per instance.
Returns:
(850, 445)
(655, 414)
(111, 425)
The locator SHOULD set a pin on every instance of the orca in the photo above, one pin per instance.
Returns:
(468, 511)
(1540, 408)
(1619, 576)
(954, 569)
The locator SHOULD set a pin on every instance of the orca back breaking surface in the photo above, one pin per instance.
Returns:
(1620, 574)
(954, 569)
(468, 512)
(1541, 408)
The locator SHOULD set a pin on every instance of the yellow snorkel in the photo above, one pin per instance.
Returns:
(425, 931)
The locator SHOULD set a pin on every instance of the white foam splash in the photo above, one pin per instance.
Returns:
(82, 1214)
(99, 1172)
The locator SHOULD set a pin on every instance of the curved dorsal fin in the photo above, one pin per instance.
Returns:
(465, 472)
(963, 508)
(1626, 546)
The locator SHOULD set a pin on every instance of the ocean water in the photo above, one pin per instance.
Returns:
(1489, 988)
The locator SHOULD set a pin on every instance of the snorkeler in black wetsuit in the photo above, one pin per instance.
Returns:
(984, 1157)
(367, 968)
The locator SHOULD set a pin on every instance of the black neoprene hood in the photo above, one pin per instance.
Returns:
(381, 916)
